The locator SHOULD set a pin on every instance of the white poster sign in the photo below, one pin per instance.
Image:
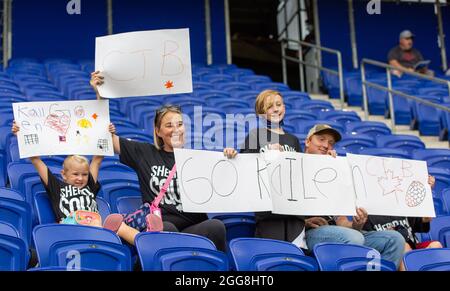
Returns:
(394, 187)
(63, 128)
(303, 184)
(210, 182)
(144, 63)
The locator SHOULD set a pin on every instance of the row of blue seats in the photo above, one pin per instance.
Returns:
(184, 252)
(428, 120)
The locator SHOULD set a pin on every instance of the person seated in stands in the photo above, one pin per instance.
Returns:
(406, 226)
(73, 197)
(406, 57)
(270, 135)
(153, 164)
(319, 141)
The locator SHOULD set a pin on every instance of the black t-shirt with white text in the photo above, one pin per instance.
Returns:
(269, 225)
(406, 226)
(153, 167)
(67, 199)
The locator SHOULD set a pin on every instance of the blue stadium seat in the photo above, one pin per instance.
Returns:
(296, 95)
(305, 126)
(445, 195)
(444, 116)
(13, 250)
(372, 128)
(230, 105)
(103, 207)
(315, 105)
(11, 194)
(130, 106)
(200, 85)
(442, 177)
(377, 98)
(217, 78)
(3, 174)
(187, 102)
(434, 157)
(405, 142)
(255, 79)
(18, 214)
(428, 119)
(238, 72)
(207, 94)
(113, 191)
(402, 107)
(45, 212)
(386, 152)
(247, 95)
(440, 230)
(353, 90)
(427, 260)
(115, 166)
(59, 269)
(165, 251)
(233, 86)
(128, 204)
(256, 254)
(340, 116)
(237, 224)
(136, 134)
(43, 208)
(297, 117)
(348, 257)
(354, 143)
(270, 86)
(98, 248)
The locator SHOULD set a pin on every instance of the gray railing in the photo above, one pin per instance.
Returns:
(284, 43)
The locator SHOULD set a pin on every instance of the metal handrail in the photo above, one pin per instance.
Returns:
(391, 91)
(299, 60)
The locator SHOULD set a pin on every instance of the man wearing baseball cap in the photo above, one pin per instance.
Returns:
(320, 141)
(405, 56)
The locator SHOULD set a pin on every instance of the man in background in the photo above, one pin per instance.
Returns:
(406, 57)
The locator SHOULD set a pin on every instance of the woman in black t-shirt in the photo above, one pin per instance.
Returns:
(153, 163)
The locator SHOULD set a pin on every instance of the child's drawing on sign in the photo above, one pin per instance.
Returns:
(415, 194)
(60, 123)
(390, 178)
(168, 85)
(84, 123)
(31, 139)
(79, 111)
(63, 127)
(103, 145)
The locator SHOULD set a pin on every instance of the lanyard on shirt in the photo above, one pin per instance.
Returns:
(163, 190)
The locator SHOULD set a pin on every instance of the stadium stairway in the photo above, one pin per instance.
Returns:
(429, 141)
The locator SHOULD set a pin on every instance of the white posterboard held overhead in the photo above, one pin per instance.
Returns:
(392, 187)
(63, 128)
(144, 63)
(210, 182)
(303, 184)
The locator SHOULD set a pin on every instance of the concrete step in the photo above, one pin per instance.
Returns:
(430, 141)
